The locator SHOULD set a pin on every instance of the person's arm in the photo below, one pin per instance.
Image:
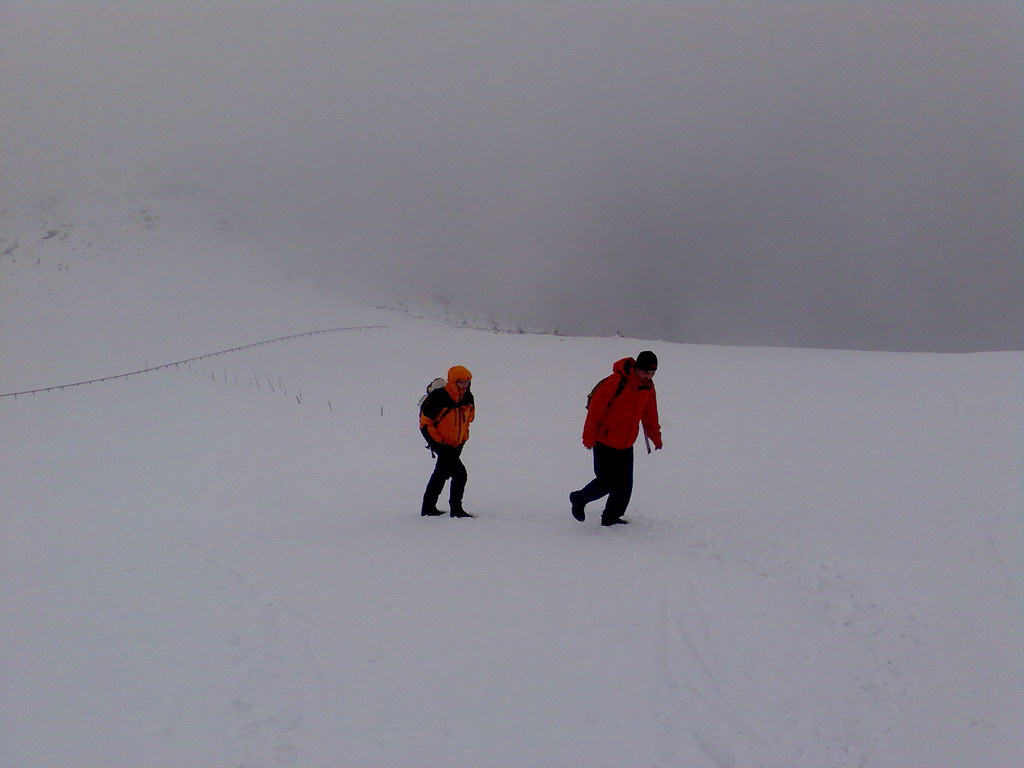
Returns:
(650, 420)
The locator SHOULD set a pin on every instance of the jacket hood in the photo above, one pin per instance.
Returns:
(624, 367)
(457, 372)
(627, 367)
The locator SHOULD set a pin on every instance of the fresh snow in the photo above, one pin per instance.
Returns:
(223, 564)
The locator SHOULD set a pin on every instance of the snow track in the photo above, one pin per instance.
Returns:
(267, 666)
(751, 676)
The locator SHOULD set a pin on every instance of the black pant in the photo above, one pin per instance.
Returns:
(449, 465)
(613, 470)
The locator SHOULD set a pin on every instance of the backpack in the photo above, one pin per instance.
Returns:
(618, 389)
(435, 384)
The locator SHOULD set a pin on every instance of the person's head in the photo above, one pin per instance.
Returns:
(459, 377)
(646, 365)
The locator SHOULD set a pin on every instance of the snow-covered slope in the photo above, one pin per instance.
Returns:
(223, 564)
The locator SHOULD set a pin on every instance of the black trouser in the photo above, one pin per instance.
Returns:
(449, 465)
(613, 470)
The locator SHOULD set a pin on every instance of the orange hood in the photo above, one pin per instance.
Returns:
(455, 373)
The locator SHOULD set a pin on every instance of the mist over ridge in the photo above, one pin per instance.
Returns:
(844, 176)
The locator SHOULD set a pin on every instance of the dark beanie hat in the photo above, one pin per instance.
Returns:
(647, 361)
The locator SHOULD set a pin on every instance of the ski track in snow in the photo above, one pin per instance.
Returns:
(267, 659)
(884, 646)
(271, 662)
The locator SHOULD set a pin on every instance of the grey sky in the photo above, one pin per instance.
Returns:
(834, 174)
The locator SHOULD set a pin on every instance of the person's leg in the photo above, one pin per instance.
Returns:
(600, 485)
(459, 476)
(442, 471)
(620, 480)
(597, 487)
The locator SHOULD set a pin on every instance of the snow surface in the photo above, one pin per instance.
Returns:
(223, 564)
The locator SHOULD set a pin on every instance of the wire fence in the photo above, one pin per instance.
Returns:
(187, 361)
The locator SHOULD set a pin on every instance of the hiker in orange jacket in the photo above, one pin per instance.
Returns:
(618, 406)
(445, 417)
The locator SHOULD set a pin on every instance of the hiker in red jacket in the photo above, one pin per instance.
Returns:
(618, 406)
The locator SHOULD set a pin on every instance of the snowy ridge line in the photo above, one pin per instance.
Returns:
(165, 366)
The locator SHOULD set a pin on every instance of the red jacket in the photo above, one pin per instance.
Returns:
(614, 419)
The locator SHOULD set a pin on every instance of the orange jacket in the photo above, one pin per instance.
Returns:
(614, 419)
(447, 412)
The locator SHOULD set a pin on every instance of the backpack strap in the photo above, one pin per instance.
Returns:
(623, 380)
(444, 412)
(618, 389)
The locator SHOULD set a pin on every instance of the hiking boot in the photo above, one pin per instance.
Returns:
(430, 512)
(577, 508)
(461, 513)
(614, 521)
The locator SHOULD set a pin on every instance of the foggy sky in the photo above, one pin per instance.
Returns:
(844, 174)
